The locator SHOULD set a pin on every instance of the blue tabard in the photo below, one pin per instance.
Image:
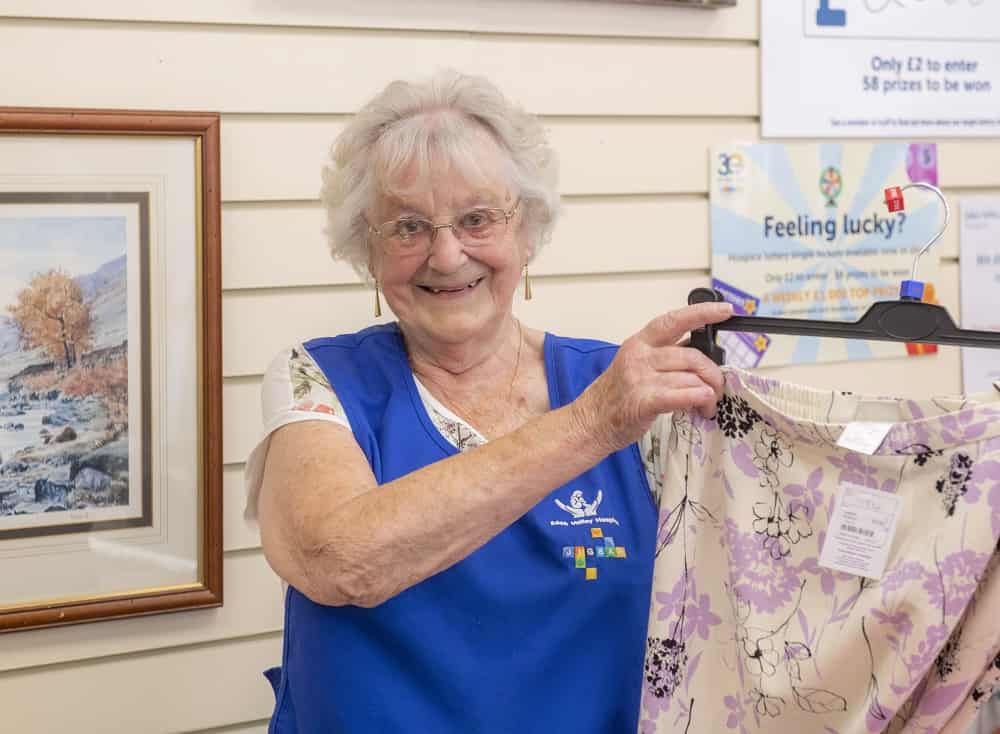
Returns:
(542, 630)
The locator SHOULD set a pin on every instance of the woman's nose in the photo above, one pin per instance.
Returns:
(447, 251)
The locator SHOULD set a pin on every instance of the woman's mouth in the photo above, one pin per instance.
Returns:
(452, 290)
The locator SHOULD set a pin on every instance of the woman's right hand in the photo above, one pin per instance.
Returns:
(653, 373)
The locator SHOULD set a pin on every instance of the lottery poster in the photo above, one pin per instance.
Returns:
(802, 230)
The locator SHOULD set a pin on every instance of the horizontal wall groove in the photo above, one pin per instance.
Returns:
(584, 198)
(242, 552)
(636, 196)
(240, 379)
(590, 197)
(237, 727)
(374, 32)
(152, 652)
(298, 289)
(951, 193)
(271, 203)
(568, 118)
(238, 292)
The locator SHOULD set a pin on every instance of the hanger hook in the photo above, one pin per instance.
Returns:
(894, 200)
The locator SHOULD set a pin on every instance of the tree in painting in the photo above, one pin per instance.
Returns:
(50, 313)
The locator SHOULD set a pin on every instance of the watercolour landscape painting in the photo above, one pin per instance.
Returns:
(71, 458)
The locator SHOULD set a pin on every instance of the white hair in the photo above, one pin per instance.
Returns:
(450, 116)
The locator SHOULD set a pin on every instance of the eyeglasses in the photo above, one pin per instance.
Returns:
(475, 228)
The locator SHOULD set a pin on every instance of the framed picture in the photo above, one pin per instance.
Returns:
(110, 365)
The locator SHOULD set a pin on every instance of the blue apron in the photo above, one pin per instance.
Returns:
(540, 630)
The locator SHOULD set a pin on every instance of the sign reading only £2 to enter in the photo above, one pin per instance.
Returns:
(872, 68)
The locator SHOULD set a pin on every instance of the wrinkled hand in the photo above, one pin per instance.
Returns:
(654, 373)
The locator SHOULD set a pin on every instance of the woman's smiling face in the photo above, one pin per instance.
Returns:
(451, 293)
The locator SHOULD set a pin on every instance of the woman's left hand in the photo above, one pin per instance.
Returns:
(654, 373)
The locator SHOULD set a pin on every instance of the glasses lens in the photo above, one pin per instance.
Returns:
(407, 235)
(475, 228)
(481, 226)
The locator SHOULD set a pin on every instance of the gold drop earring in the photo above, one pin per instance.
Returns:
(378, 302)
(527, 284)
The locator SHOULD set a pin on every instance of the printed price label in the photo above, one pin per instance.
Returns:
(861, 531)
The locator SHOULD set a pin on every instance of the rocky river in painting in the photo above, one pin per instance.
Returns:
(55, 454)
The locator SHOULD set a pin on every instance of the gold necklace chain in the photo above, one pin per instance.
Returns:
(517, 359)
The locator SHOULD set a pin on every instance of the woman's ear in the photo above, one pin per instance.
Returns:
(529, 251)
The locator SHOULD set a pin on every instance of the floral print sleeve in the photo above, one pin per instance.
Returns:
(294, 389)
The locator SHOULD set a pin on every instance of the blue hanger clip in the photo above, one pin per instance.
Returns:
(911, 290)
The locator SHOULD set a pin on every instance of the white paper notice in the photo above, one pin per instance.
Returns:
(861, 531)
(879, 68)
(980, 281)
(864, 437)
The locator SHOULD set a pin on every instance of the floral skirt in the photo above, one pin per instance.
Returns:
(749, 632)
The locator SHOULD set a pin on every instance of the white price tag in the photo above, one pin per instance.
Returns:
(865, 438)
(861, 531)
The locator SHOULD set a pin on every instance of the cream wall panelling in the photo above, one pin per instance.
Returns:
(157, 693)
(269, 157)
(270, 246)
(236, 532)
(253, 606)
(610, 308)
(560, 17)
(275, 157)
(242, 69)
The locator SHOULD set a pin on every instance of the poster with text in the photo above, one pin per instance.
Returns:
(880, 68)
(802, 231)
(979, 260)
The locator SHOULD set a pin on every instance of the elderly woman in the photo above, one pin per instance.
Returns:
(458, 502)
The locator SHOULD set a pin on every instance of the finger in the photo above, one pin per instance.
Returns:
(663, 388)
(669, 328)
(681, 380)
(688, 359)
(671, 398)
(684, 398)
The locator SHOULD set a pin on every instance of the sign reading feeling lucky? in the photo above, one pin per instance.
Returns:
(802, 230)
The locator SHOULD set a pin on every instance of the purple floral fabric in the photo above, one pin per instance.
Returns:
(749, 633)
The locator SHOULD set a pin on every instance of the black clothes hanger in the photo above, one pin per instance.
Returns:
(905, 320)
(893, 321)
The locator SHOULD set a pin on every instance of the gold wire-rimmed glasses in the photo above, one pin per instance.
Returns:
(474, 228)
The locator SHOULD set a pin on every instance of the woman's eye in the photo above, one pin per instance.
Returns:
(476, 219)
(407, 228)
